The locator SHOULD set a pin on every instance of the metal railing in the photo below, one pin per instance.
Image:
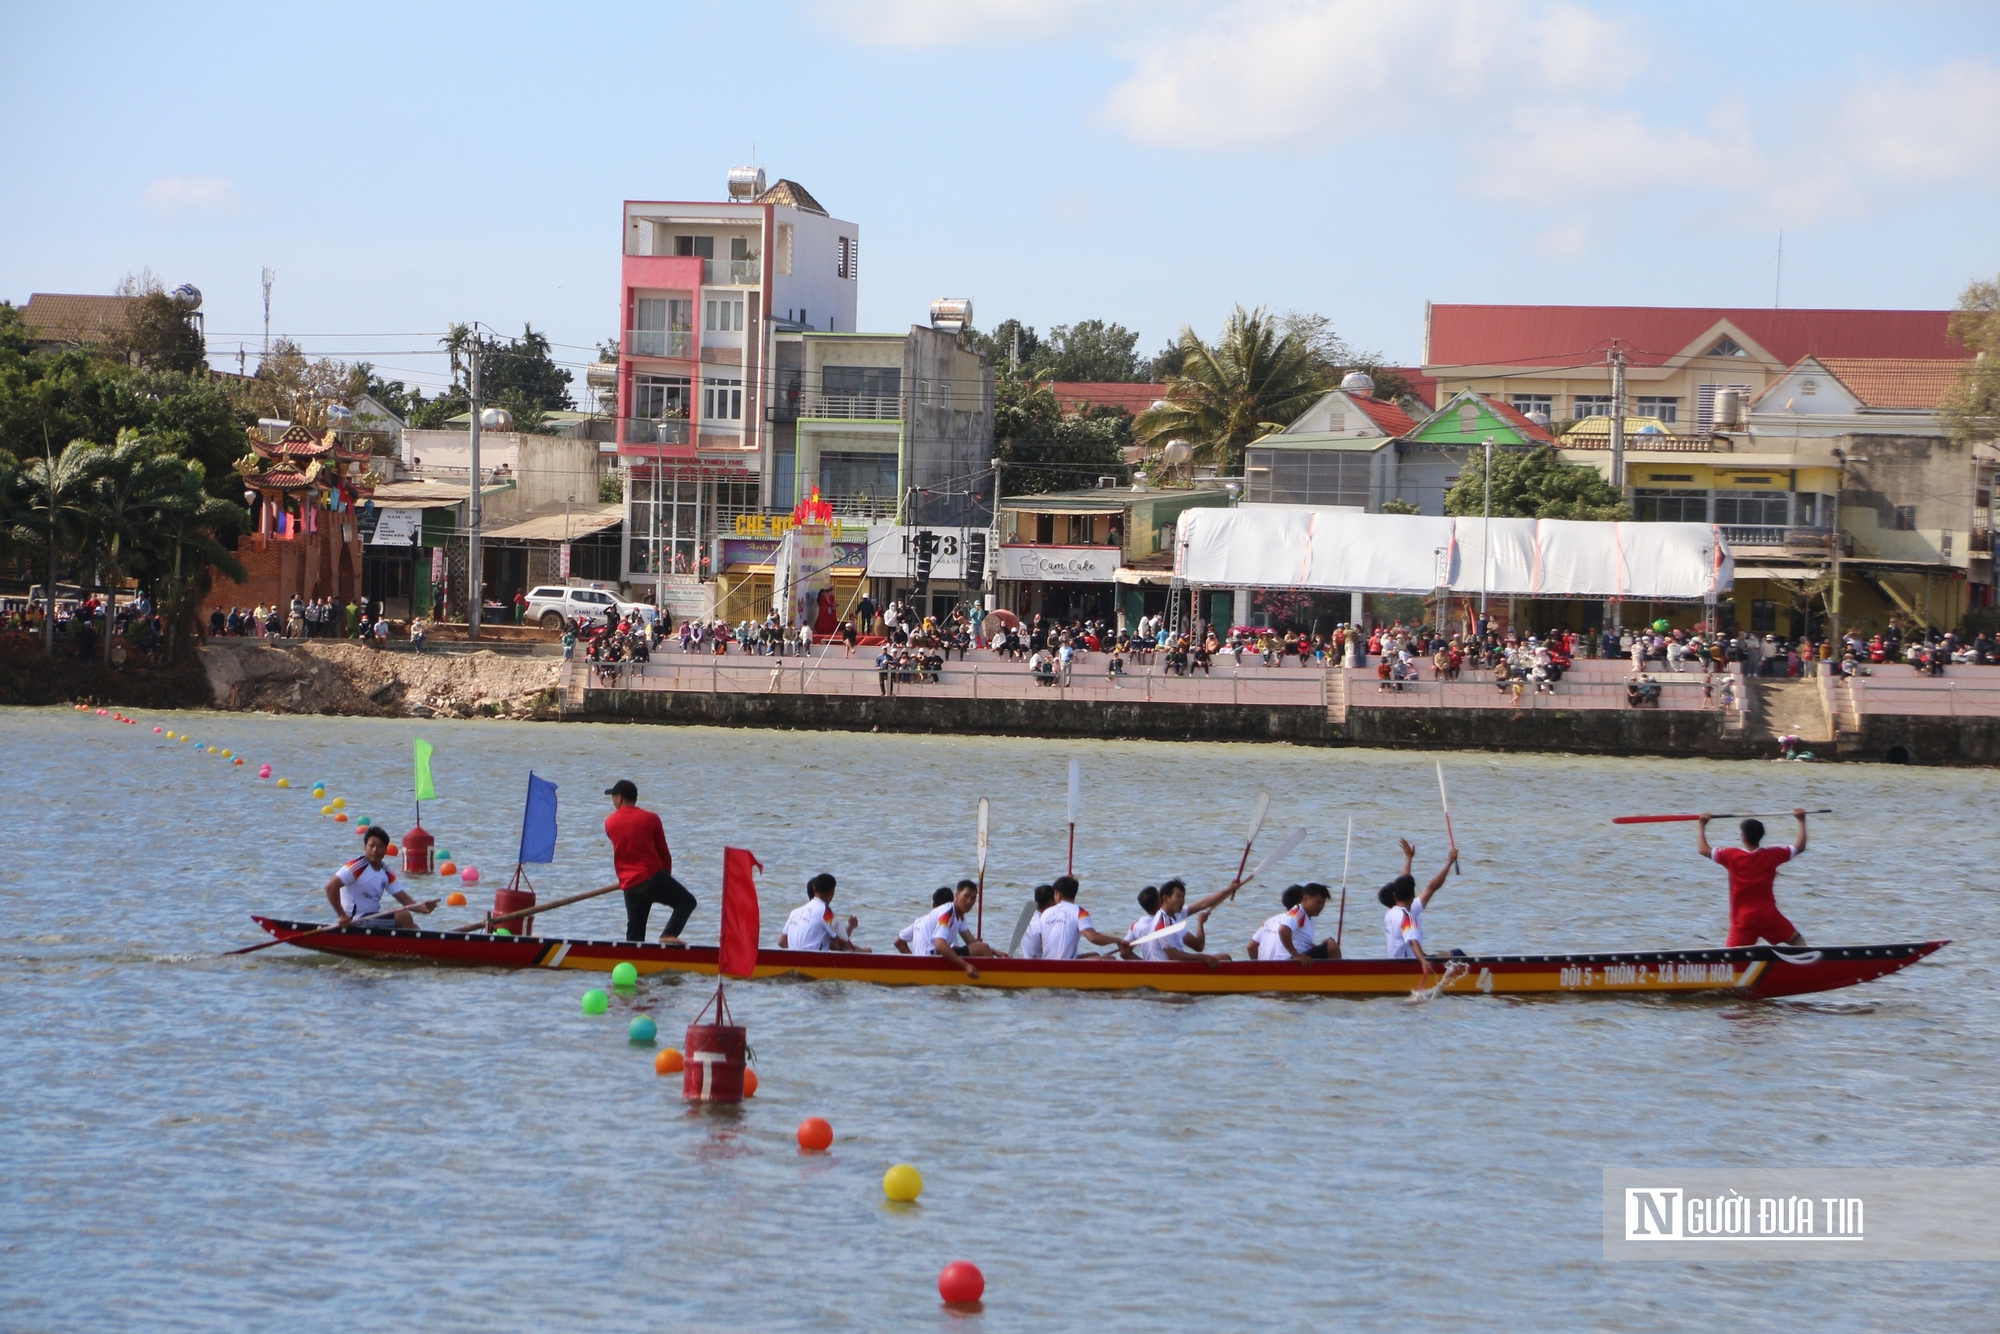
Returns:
(863, 407)
(1679, 692)
(656, 431)
(1696, 443)
(659, 342)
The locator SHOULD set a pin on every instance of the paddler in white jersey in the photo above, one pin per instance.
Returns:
(1188, 946)
(356, 889)
(1262, 936)
(1064, 925)
(1403, 918)
(1289, 935)
(941, 931)
(812, 925)
(1031, 939)
(1149, 906)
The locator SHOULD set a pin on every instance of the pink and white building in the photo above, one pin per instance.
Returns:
(705, 288)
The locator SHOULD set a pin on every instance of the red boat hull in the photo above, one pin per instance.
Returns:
(1760, 970)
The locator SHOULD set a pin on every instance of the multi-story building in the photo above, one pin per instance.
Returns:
(705, 290)
(1555, 360)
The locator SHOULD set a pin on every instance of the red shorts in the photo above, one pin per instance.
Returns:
(1768, 923)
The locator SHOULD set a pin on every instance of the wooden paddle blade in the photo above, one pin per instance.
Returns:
(1257, 816)
(985, 809)
(1282, 850)
(1650, 819)
(1021, 925)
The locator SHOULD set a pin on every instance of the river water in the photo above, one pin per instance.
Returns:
(286, 1140)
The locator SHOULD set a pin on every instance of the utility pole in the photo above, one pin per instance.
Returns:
(1617, 357)
(269, 275)
(1486, 538)
(474, 593)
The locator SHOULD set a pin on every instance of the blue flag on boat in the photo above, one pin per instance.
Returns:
(538, 826)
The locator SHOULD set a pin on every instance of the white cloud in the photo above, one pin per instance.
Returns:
(171, 197)
(1313, 73)
(942, 23)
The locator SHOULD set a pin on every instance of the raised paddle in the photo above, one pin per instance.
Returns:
(1668, 819)
(1075, 805)
(1256, 823)
(1340, 927)
(1445, 801)
(1298, 837)
(979, 927)
(425, 906)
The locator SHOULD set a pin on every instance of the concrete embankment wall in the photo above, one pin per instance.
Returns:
(1608, 732)
(1910, 739)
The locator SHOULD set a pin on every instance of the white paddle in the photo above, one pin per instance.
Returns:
(985, 808)
(1075, 805)
(1021, 925)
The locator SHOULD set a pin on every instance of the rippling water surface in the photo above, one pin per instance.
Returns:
(287, 1140)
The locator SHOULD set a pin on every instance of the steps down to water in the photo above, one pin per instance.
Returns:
(1790, 708)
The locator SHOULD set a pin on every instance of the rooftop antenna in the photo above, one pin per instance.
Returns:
(1778, 289)
(269, 274)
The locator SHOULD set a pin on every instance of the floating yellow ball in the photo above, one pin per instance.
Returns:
(225, 754)
(902, 1183)
(326, 810)
(340, 803)
(211, 750)
(284, 782)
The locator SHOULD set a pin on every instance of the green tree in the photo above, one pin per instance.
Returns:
(1167, 362)
(1093, 351)
(1533, 484)
(130, 489)
(1971, 411)
(1041, 448)
(55, 514)
(1000, 346)
(1256, 379)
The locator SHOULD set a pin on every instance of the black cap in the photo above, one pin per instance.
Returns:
(623, 788)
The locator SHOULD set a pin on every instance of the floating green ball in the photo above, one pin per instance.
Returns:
(642, 1029)
(363, 822)
(502, 931)
(624, 975)
(595, 1001)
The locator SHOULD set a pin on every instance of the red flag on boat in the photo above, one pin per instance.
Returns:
(737, 956)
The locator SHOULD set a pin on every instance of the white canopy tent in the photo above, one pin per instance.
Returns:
(1250, 547)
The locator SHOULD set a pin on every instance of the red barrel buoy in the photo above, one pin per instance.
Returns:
(716, 1056)
(513, 900)
(417, 845)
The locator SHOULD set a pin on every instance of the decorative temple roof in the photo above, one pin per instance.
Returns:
(284, 475)
(301, 442)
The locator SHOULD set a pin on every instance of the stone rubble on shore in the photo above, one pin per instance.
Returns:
(342, 678)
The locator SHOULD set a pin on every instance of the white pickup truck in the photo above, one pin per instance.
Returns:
(552, 604)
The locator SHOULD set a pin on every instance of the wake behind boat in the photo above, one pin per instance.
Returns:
(1761, 971)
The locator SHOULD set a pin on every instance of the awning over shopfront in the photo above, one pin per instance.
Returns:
(1406, 553)
(556, 526)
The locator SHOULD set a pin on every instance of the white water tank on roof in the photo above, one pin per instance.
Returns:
(746, 183)
(1729, 408)
(951, 312)
(1358, 382)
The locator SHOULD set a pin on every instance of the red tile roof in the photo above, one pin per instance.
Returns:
(1514, 417)
(1652, 335)
(1388, 418)
(1075, 395)
(1896, 382)
(1425, 387)
(70, 318)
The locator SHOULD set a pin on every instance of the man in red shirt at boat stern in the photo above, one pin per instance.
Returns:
(1753, 907)
(645, 866)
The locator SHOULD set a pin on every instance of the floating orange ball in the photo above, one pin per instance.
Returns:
(961, 1283)
(749, 1083)
(669, 1062)
(393, 852)
(455, 899)
(815, 1135)
(447, 868)
(340, 817)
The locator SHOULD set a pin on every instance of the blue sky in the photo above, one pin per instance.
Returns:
(403, 166)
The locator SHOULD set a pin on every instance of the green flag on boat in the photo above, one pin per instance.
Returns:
(426, 789)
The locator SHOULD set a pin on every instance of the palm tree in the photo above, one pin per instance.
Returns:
(1255, 380)
(194, 517)
(136, 481)
(57, 514)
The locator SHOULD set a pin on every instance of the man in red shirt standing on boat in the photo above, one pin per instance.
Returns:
(645, 865)
(1753, 871)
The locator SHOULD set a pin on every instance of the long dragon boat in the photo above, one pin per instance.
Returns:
(1757, 971)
